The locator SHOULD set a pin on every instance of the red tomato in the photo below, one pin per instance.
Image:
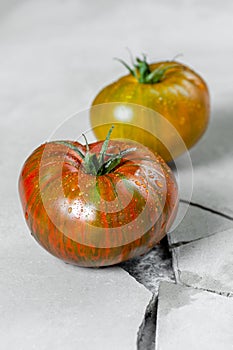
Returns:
(98, 205)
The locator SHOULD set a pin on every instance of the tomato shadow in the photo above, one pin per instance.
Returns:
(217, 143)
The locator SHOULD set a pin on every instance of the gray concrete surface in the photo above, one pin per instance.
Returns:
(207, 263)
(153, 267)
(196, 224)
(192, 319)
(47, 304)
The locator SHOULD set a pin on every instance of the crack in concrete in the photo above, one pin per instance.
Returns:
(147, 329)
(182, 243)
(200, 206)
(177, 273)
(175, 268)
(152, 267)
(223, 294)
(149, 270)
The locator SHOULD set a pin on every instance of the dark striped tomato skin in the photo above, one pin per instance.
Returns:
(182, 98)
(101, 220)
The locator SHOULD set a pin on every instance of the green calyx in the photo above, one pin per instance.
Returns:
(142, 72)
(100, 164)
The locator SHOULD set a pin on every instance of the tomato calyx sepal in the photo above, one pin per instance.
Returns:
(100, 164)
(142, 72)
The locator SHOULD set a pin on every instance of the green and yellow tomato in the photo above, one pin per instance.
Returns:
(169, 88)
(97, 205)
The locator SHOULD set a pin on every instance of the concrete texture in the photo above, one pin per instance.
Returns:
(192, 319)
(212, 161)
(197, 223)
(46, 303)
(207, 263)
(152, 268)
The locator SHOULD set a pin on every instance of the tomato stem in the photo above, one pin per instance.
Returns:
(142, 72)
(87, 146)
(102, 164)
(71, 146)
(105, 144)
(132, 71)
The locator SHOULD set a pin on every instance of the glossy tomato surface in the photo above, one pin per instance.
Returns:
(101, 220)
(181, 97)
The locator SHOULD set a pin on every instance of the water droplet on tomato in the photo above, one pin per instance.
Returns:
(159, 184)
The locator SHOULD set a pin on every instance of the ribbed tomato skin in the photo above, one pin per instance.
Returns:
(97, 221)
(182, 98)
